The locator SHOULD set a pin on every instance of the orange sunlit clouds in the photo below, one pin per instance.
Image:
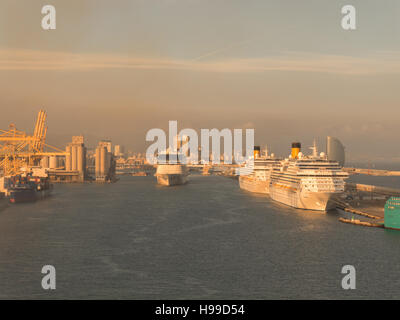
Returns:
(384, 62)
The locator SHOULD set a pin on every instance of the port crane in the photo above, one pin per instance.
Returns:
(19, 150)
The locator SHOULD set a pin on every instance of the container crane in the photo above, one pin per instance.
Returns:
(19, 150)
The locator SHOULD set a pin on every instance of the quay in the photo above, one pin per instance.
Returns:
(366, 201)
(361, 223)
(372, 172)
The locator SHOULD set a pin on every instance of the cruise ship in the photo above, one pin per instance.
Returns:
(171, 172)
(259, 172)
(307, 182)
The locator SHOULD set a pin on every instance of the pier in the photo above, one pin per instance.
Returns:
(372, 189)
(365, 201)
(372, 172)
(362, 223)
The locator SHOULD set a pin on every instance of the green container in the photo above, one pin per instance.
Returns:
(392, 213)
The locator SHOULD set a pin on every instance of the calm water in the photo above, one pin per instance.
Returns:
(208, 239)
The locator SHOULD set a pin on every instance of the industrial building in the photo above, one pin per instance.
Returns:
(76, 158)
(118, 151)
(104, 162)
(72, 166)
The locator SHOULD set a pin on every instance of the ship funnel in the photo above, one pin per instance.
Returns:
(257, 152)
(296, 147)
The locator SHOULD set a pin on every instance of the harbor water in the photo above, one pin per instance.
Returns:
(205, 240)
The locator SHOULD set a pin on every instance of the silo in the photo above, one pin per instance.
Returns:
(103, 159)
(97, 161)
(74, 165)
(79, 158)
(53, 162)
(68, 158)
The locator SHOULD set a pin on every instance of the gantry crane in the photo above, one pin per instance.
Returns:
(19, 150)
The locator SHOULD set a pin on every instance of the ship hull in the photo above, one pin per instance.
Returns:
(43, 193)
(3, 203)
(171, 174)
(28, 195)
(171, 179)
(24, 195)
(252, 185)
(318, 201)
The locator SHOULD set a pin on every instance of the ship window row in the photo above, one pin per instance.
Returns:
(286, 180)
(322, 176)
(318, 168)
(279, 176)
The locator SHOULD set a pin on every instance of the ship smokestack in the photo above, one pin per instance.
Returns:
(296, 147)
(257, 150)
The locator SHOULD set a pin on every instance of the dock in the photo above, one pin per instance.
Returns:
(372, 172)
(365, 201)
(361, 223)
(372, 189)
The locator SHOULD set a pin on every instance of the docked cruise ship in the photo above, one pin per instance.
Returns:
(259, 172)
(171, 172)
(307, 182)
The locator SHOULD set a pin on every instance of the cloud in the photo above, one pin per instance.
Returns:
(383, 62)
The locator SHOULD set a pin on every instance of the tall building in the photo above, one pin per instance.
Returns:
(335, 150)
(118, 150)
(107, 144)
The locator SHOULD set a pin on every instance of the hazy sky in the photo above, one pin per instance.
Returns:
(115, 69)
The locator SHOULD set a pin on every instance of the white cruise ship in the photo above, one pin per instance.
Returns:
(307, 182)
(170, 173)
(259, 172)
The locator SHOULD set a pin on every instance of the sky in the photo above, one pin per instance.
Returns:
(116, 69)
